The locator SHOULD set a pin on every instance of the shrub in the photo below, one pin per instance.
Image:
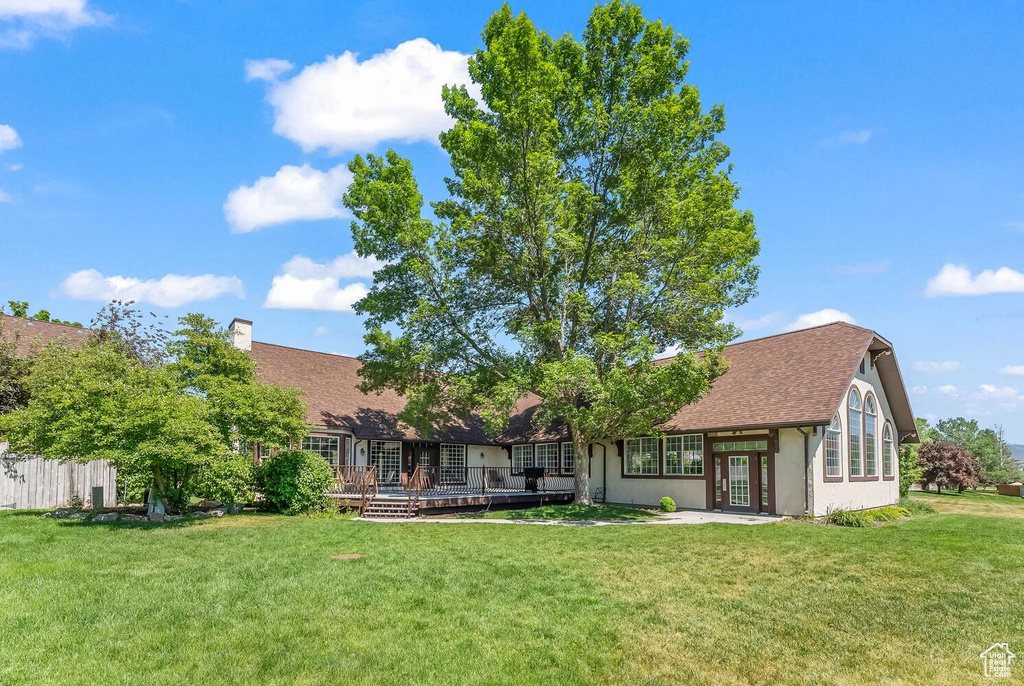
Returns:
(228, 480)
(668, 505)
(885, 514)
(842, 517)
(295, 482)
(916, 507)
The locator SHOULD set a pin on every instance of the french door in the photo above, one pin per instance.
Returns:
(743, 482)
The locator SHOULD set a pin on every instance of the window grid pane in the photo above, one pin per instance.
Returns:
(522, 457)
(324, 446)
(684, 455)
(568, 459)
(833, 443)
(547, 457)
(453, 464)
(726, 446)
(739, 481)
(870, 448)
(386, 456)
(641, 456)
(887, 452)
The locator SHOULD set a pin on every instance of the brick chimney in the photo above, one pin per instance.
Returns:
(241, 333)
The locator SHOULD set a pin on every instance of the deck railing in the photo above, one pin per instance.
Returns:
(355, 482)
(484, 480)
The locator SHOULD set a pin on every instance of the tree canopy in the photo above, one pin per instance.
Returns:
(589, 224)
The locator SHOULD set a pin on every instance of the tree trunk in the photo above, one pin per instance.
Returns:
(581, 453)
(157, 495)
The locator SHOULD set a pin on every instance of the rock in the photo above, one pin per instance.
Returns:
(201, 515)
(209, 504)
(79, 516)
(106, 517)
(216, 513)
(62, 512)
(235, 508)
(156, 517)
(133, 518)
(171, 518)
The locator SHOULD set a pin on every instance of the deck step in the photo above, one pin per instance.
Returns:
(379, 508)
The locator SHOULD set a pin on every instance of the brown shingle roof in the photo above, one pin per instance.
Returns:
(791, 379)
(31, 335)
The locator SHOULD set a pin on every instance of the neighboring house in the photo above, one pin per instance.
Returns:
(802, 422)
(28, 482)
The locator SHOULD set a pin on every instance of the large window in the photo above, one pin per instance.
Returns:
(888, 452)
(522, 457)
(684, 455)
(834, 450)
(641, 456)
(453, 464)
(547, 457)
(386, 456)
(324, 446)
(568, 458)
(870, 436)
(854, 431)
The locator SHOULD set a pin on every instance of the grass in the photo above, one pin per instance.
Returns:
(259, 599)
(862, 518)
(986, 503)
(572, 513)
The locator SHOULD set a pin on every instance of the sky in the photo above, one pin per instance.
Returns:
(191, 156)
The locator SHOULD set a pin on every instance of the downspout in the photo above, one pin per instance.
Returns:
(808, 480)
(604, 469)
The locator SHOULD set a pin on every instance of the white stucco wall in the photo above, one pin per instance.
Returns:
(790, 490)
(688, 493)
(856, 495)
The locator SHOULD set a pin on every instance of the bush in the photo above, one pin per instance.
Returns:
(845, 518)
(861, 518)
(295, 482)
(668, 505)
(885, 514)
(916, 507)
(229, 480)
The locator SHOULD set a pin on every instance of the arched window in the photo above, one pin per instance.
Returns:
(854, 432)
(888, 452)
(870, 436)
(834, 450)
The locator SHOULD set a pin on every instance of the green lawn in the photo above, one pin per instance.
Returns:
(571, 513)
(259, 599)
(988, 503)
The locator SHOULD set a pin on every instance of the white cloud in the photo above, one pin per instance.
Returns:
(848, 138)
(23, 21)
(9, 138)
(957, 280)
(347, 266)
(308, 285)
(269, 70)
(948, 389)
(345, 104)
(825, 316)
(947, 366)
(292, 194)
(863, 268)
(321, 331)
(16, 166)
(5, 197)
(173, 290)
(992, 391)
(1013, 370)
(288, 292)
(919, 390)
(755, 323)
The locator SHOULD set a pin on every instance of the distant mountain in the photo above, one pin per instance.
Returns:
(1018, 452)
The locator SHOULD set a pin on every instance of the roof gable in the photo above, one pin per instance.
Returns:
(31, 335)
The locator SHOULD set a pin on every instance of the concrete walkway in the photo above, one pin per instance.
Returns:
(687, 517)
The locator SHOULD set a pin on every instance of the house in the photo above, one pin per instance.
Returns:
(28, 482)
(802, 422)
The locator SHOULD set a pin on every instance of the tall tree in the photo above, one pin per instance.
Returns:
(589, 224)
(947, 464)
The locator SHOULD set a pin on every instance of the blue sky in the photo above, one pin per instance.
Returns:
(187, 154)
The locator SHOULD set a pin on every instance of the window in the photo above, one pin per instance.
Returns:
(324, 446)
(834, 449)
(568, 459)
(870, 435)
(684, 455)
(547, 457)
(453, 464)
(522, 457)
(729, 446)
(856, 449)
(386, 456)
(888, 452)
(641, 456)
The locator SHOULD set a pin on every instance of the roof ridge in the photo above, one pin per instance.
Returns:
(307, 350)
(32, 321)
(809, 328)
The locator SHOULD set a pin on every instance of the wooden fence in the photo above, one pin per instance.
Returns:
(30, 483)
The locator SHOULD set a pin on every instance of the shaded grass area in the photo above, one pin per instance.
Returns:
(982, 503)
(572, 513)
(259, 599)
